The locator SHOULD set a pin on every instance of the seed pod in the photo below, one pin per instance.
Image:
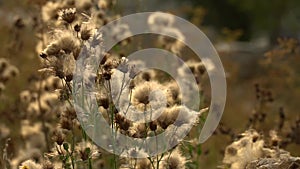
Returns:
(153, 125)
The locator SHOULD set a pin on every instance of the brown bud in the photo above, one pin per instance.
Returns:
(60, 74)
(43, 55)
(146, 76)
(104, 102)
(153, 125)
(125, 125)
(69, 77)
(107, 75)
(77, 28)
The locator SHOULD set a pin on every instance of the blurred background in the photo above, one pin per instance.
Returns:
(257, 42)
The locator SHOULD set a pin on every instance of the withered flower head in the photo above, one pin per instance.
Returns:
(70, 113)
(47, 165)
(153, 125)
(138, 130)
(87, 150)
(68, 43)
(86, 33)
(58, 137)
(51, 49)
(175, 161)
(123, 65)
(103, 101)
(29, 164)
(66, 123)
(164, 119)
(144, 164)
(141, 93)
(68, 15)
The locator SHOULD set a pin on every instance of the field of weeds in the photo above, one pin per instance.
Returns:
(82, 88)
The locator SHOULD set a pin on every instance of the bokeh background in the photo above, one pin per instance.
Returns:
(243, 32)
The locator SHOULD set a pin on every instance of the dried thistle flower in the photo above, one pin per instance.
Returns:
(103, 101)
(8, 73)
(87, 150)
(70, 113)
(67, 15)
(173, 40)
(123, 65)
(143, 93)
(47, 165)
(167, 117)
(173, 94)
(58, 137)
(85, 33)
(160, 20)
(123, 123)
(175, 161)
(244, 150)
(52, 49)
(66, 123)
(102, 4)
(133, 72)
(143, 164)
(138, 130)
(68, 43)
(29, 164)
(153, 125)
(275, 139)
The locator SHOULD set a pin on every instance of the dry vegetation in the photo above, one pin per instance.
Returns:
(39, 128)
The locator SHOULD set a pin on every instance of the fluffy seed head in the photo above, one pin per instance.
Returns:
(144, 164)
(68, 43)
(175, 161)
(29, 164)
(47, 165)
(52, 49)
(142, 92)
